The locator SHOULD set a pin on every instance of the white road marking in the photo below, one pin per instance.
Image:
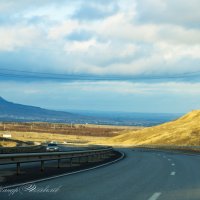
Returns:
(173, 173)
(173, 164)
(155, 196)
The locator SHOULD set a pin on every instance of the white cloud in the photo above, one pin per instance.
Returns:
(17, 37)
(174, 52)
(80, 46)
(62, 30)
(182, 12)
(123, 88)
(122, 27)
(118, 43)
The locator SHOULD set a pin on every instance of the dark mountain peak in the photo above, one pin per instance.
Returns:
(10, 111)
(2, 100)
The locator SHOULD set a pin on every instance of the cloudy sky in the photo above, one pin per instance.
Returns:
(108, 55)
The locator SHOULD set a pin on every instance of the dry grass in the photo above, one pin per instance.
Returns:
(65, 129)
(38, 138)
(45, 132)
(7, 144)
(183, 131)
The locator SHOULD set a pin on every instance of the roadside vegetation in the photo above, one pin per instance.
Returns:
(184, 131)
(37, 133)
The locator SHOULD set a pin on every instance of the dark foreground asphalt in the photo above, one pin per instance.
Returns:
(140, 176)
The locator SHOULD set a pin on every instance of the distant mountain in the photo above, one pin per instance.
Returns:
(16, 112)
(183, 131)
(22, 113)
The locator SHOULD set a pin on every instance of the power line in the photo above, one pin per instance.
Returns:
(11, 73)
(33, 72)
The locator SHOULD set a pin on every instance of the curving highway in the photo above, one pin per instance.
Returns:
(142, 175)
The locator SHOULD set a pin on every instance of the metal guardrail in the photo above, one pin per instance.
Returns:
(17, 159)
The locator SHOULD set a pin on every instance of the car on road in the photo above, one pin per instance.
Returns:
(52, 147)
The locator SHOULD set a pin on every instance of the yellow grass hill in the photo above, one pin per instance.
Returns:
(183, 131)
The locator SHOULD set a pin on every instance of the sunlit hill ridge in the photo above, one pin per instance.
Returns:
(183, 131)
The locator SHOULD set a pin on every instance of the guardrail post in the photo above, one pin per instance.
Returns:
(100, 155)
(18, 168)
(79, 160)
(87, 159)
(70, 162)
(94, 158)
(42, 166)
(58, 163)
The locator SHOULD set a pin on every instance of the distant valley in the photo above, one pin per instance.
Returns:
(14, 112)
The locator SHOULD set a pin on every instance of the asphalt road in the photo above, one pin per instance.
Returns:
(140, 176)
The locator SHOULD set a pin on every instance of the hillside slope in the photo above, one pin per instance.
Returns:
(13, 111)
(183, 131)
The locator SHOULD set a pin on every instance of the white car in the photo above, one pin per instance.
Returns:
(52, 147)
